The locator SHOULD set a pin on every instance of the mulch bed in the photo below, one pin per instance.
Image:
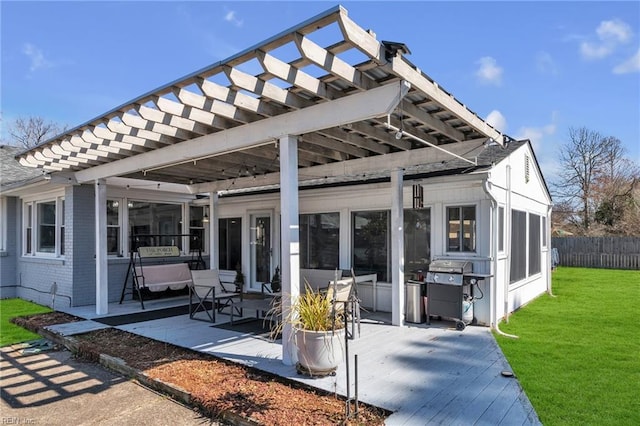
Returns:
(216, 385)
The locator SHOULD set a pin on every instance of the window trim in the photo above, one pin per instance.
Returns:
(352, 229)
(205, 227)
(241, 218)
(27, 225)
(33, 223)
(304, 253)
(121, 237)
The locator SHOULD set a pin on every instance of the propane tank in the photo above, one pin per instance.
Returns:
(467, 309)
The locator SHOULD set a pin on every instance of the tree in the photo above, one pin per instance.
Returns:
(32, 131)
(597, 184)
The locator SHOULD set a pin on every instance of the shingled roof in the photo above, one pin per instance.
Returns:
(12, 173)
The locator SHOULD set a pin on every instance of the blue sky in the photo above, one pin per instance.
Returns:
(533, 69)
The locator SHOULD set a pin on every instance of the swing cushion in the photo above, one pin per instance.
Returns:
(174, 276)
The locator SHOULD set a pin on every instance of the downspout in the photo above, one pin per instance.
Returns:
(508, 215)
(493, 249)
(549, 253)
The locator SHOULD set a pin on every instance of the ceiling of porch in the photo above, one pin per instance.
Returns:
(322, 60)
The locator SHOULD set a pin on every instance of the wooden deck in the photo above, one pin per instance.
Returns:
(425, 375)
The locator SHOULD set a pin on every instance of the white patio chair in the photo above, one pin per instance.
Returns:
(343, 295)
(208, 294)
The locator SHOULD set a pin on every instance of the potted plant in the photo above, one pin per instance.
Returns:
(275, 281)
(239, 280)
(318, 333)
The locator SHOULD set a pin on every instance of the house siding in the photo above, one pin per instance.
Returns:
(80, 210)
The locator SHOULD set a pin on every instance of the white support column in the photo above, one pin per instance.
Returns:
(397, 249)
(213, 231)
(290, 238)
(102, 276)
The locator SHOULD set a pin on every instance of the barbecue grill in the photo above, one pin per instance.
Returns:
(449, 272)
(449, 291)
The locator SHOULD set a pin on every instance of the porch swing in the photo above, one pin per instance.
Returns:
(150, 267)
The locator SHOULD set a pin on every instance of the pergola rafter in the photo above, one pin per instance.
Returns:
(226, 101)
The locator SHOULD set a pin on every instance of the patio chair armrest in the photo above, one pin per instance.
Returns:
(229, 287)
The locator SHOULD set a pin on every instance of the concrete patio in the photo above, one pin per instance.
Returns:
(423, 374)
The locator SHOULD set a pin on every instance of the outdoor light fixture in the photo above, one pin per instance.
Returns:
(399, 134)
(490, 142)
(205, 218)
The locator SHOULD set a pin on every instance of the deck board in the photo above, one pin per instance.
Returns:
(424, 374)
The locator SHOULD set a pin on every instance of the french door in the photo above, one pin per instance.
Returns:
(261, 250)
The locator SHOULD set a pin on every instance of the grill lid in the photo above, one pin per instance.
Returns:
(451, 266)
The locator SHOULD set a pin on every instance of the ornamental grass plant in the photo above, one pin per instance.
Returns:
(311, 311)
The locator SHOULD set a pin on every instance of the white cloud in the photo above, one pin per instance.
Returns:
(610, 34)
(489, 72)
(35, 55)
(497, 120)
(538, 134)
(629, 66)
(231, 17)
(595, 51)
(616, 30)
(545, 63)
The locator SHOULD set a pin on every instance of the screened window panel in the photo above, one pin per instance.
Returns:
(320, 240)
(156, 219)
(230, 243)
(534, 244)
(518, 246)
(417, 240)
(371, 243)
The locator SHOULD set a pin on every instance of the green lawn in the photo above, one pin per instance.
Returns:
(9, 308)
(578, 354)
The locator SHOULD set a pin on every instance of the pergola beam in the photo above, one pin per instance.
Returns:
(361, 106)
(359, 166)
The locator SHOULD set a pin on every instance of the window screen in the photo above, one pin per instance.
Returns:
(534, 244)
(518, 246)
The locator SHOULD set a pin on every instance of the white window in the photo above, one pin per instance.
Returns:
(44, 227)
(461, 229)
(114, 242)
(27, 236)
(60, 236)
(198, 219)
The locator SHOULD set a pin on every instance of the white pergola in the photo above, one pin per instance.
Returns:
(322, 99)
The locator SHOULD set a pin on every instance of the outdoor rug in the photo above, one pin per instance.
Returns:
(144, 316)
(255, 326)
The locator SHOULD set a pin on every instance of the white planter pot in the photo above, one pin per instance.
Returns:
(319, 352)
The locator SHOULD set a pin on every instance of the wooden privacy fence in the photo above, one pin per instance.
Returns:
(598, 252)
